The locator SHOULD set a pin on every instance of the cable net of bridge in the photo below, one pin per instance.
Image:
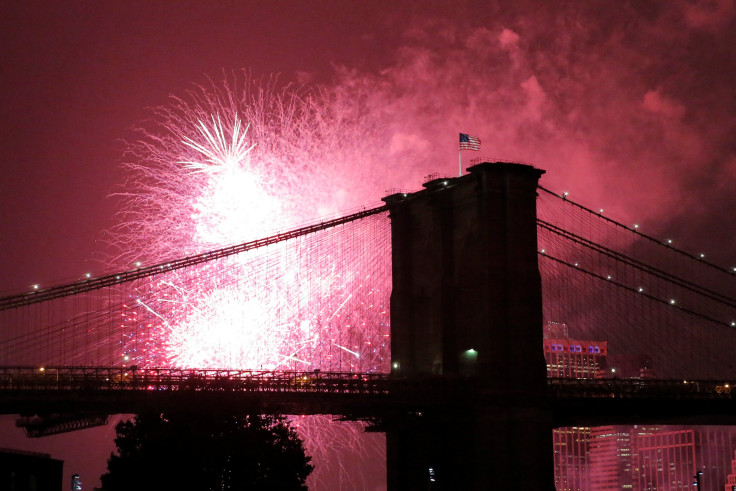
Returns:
(314, 298)
(618, 303)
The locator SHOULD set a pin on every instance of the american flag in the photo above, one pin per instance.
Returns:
(468, 142)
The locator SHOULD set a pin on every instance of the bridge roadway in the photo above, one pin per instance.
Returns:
(572, 402)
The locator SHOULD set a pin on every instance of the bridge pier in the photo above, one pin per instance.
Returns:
(467, 305)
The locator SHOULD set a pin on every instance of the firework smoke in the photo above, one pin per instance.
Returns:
(629, 107)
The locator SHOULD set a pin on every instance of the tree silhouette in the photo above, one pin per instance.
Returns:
(200, 452)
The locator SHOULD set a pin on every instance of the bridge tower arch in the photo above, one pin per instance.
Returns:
(466, 304)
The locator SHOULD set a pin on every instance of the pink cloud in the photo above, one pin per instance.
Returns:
(655, 102)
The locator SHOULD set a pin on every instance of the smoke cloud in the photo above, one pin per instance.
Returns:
(629, 106)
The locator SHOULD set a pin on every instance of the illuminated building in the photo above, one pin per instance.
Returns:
(610, 458)
(669, 459)
(731, 479)
(664, 459)
(571, 448)
(569, 358)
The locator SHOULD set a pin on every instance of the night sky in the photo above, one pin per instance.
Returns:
(629, 106)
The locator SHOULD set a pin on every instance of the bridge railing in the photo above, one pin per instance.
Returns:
(174, 379)
(19, 379)
(566, 388)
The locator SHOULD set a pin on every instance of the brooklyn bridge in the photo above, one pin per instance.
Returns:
(485, 302)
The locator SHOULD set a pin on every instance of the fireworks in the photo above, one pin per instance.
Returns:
(226, 165)
(328, 442)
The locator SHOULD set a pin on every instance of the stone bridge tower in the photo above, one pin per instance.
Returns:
(467, 304)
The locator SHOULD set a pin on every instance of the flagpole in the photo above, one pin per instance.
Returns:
(460, 162)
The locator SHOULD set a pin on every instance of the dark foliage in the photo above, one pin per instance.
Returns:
(206, 453)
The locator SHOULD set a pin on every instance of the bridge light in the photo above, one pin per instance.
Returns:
(608, 277)
(35, 287)
(733, 324)
(640, 289)
(600, 211)
(636, 225)
(669, 241)
(672, 301)
(543, 251)
(87, 275)
(42, 369)
(137, 264)
(702, 256)
(564, 195)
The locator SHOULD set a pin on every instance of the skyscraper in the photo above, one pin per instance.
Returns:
(610, 458)
(571, 449)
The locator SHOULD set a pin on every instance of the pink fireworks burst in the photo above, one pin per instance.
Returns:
(225, 165)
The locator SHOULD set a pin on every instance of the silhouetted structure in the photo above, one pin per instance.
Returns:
(466, 295)
(202, 451)
(29, 471)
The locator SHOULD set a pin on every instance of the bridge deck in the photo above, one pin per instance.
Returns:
(36, 390)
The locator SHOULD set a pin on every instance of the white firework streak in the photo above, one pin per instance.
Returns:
(328, 442)
(215, 147)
